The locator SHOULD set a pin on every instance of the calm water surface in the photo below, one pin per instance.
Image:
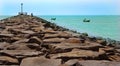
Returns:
(103, 26)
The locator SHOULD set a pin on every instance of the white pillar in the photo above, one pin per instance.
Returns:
(22, 8)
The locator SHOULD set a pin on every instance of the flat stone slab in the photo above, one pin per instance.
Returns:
(6, 35)
(62, 47)
(77, 54)
(117, 50)
(21, 41)
(40, 61)
(71, 62)
(114, 58)
(23, 46)
(51, 35)
(50, 32)
(9, 65)
(21, 53)
(7, 60)
(53, 40)
(20, 31)
(74, 40)
(28, 32)
(97, 63)
(3, 45)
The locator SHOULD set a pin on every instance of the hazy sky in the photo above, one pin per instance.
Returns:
(61, 7)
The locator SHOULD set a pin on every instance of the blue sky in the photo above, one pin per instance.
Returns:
(61, 7)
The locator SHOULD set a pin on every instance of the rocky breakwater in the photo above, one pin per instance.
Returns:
(31, 41)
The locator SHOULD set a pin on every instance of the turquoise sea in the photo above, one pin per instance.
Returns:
(107, 26)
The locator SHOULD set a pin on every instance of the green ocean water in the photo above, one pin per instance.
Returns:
(107, 26)
(100, 25)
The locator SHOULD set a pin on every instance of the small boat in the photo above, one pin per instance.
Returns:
(53, 18)
(86, 20)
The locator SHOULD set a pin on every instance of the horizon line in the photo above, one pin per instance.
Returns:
(68, 15)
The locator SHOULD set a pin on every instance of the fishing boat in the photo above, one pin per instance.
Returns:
(86, 20)
(53, 18)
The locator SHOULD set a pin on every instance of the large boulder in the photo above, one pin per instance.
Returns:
(40, 61)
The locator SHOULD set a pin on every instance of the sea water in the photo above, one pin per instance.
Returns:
(107, 26)
(99, 25)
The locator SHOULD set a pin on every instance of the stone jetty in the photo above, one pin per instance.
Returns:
(27, 40)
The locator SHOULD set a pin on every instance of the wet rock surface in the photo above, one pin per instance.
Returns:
(31, 41)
